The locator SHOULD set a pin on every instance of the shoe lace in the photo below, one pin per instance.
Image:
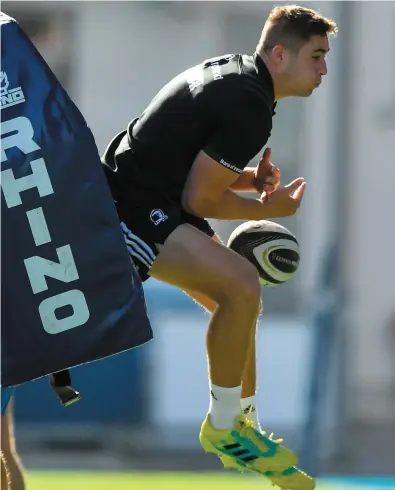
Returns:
(279, 440)
(250, 423)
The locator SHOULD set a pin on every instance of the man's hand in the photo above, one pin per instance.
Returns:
(267, 176)
(285, 201)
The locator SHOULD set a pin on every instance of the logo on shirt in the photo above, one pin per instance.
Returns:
(11, 96)
(157, 216)
(230, 166)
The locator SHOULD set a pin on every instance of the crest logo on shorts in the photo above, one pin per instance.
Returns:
(158, 216)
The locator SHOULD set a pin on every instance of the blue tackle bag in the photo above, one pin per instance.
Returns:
(70, 294)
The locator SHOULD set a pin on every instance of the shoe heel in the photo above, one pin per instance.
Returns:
(207, 446)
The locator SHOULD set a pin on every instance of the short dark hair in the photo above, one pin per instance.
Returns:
(292, 26)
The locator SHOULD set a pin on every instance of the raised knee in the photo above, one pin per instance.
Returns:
(243, 287)
(249, 286)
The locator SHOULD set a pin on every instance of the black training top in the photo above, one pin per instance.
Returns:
(223, 106)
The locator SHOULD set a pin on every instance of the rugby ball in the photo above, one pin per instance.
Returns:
(272, 248)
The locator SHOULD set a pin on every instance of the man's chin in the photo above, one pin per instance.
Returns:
(309, 92)
(306, 93)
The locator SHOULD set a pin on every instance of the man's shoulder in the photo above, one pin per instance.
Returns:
(237, 79)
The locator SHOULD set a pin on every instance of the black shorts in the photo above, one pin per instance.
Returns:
(145, 224)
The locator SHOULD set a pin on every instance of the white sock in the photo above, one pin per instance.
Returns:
(224, 406)
(249, 408)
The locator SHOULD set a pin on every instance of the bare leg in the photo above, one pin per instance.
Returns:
(8, 447)
(249, 376)
(5, 477)
(192, 261)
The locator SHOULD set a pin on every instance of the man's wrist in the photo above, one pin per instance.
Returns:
(254, 181)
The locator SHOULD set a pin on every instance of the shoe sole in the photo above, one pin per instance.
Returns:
(228, 462)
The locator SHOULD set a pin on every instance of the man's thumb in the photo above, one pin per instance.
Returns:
(266, 155)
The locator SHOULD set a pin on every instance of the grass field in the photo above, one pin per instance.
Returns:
(177, 481)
